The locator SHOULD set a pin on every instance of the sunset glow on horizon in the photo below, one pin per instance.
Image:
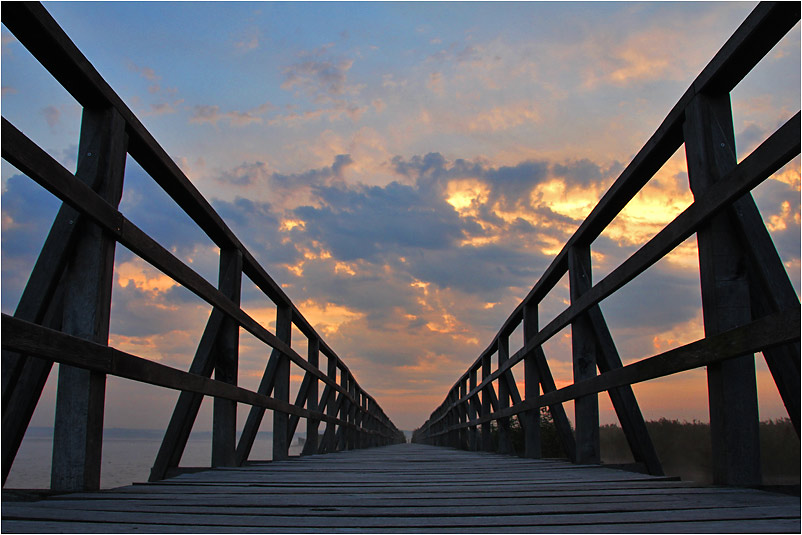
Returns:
(405, 172)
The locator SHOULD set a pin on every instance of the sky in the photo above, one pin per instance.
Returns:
(405, 171)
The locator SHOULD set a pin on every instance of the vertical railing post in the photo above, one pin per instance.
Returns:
(87, 281)
(504, 441)
(312, 424)
(723, 269)
(583, 345)
(487, 439)
(454, 419)
(352, 411)
(344, 410)
(473, 434)
(532, 444)
(463, 413)
(360, 399)
(224, 419)
(281, 392)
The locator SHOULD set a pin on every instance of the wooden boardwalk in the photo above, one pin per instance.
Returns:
(410, 488)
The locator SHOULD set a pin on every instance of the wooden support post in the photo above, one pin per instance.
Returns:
(78, 430)
(557, 411)
(732, 386)
(344, 412)
(327, 444)
(281, 392)
(532, 444)
(583, 344)
(352, 412)
(463, 414)
(473, 438)
(357, 416)
(487, 439)
(266, 385)
(504, 440)
(312, 424)
(23, 394)
(454, 419)
(188, 404)
(224, 417)
(771, 291)
(623, 398)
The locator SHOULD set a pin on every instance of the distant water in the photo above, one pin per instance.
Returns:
(128, 455)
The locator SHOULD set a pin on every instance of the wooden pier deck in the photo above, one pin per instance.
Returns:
(410, 488)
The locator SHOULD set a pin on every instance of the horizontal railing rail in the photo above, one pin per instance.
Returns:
(723, 211)
(52, 324)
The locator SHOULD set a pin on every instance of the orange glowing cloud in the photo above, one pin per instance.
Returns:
(328, 318)
(143, 276)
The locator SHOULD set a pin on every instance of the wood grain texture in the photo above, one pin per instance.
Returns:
(410, 488)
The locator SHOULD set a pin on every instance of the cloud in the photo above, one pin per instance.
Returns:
(319, 74)
(211, 114)
(145, 72)
(247, 39)
(245, 174)
(52, 116)
(164, 108)
(314, 177)
(504, 117)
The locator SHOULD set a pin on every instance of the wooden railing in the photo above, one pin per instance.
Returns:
(749, 303)
(63, 314)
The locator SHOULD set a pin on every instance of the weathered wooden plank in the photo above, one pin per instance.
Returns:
(660, 498)
(544, 519)
(386, 508)
(738, 526)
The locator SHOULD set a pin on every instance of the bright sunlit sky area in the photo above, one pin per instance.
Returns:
(405, 171)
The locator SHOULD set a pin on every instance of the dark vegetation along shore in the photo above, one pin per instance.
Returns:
(683, 448)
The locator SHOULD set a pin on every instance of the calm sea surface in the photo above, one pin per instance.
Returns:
(128, 455)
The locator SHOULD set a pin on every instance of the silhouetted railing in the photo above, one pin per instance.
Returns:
(748, 301)
(63, 314)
